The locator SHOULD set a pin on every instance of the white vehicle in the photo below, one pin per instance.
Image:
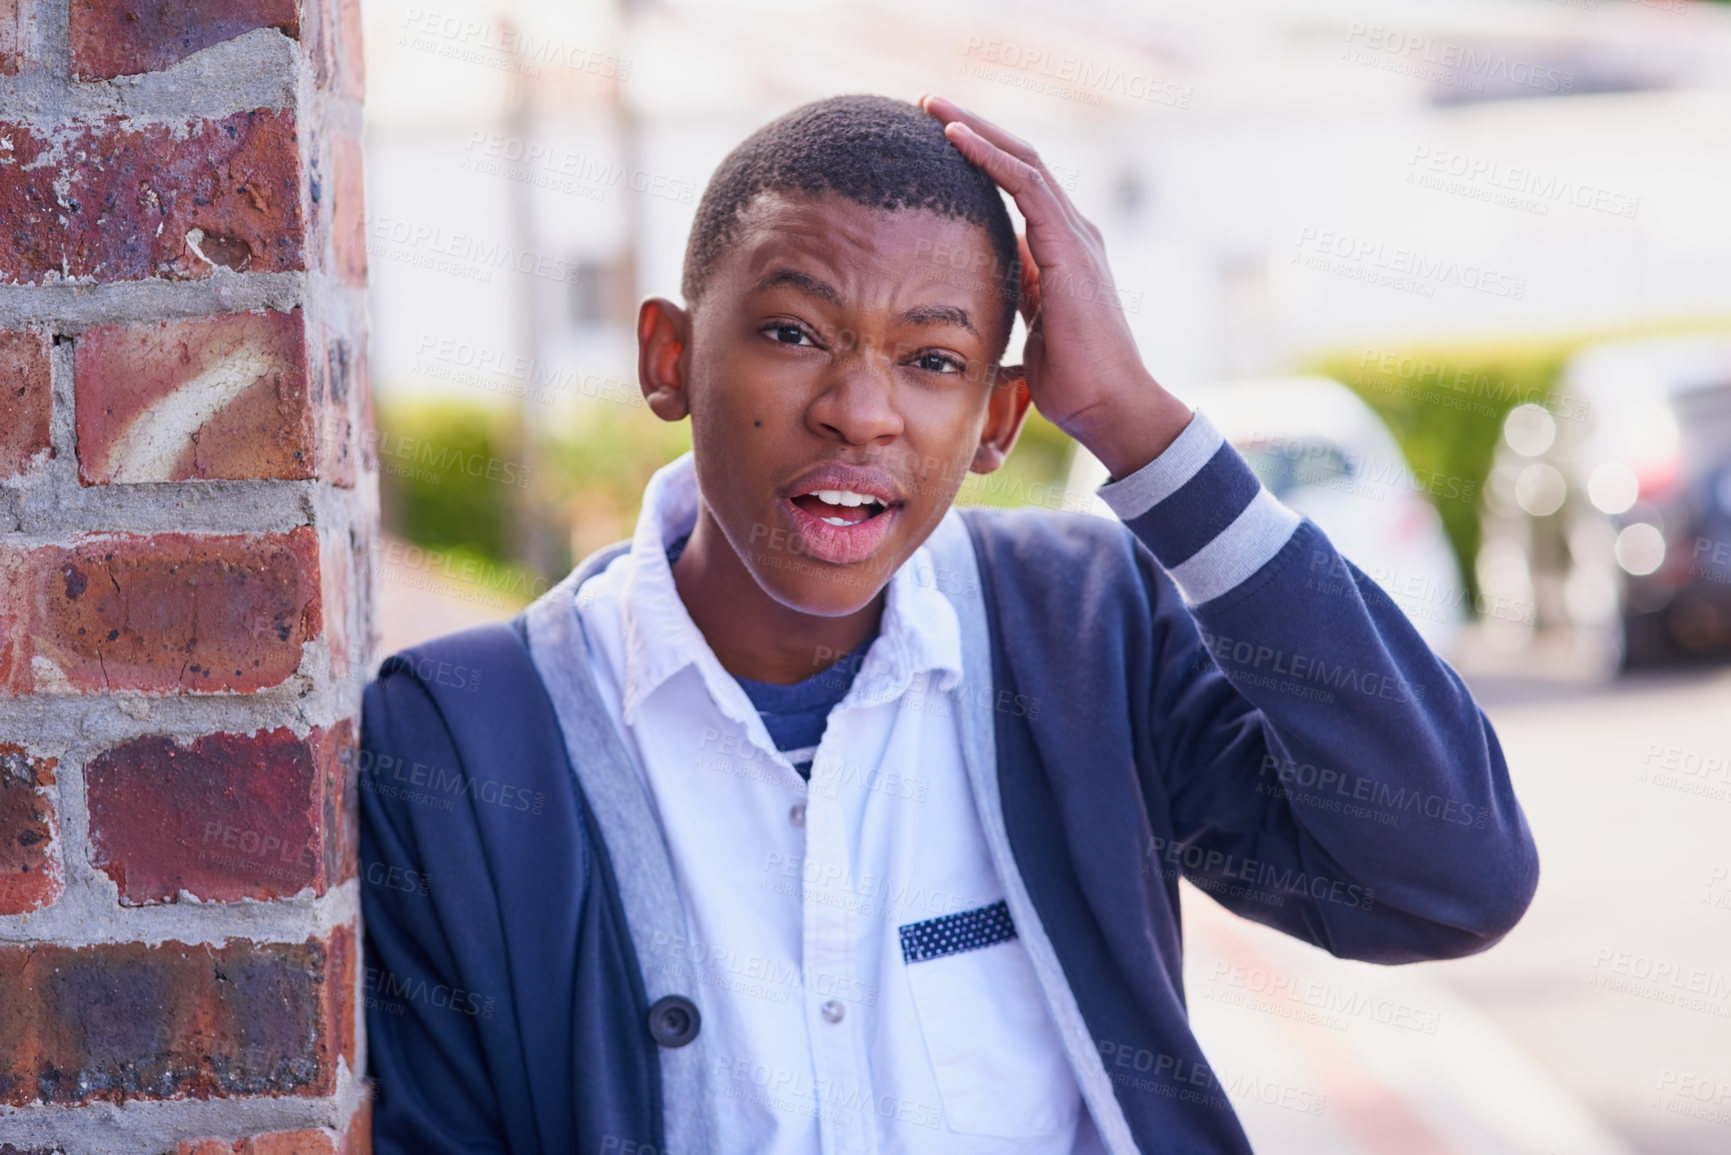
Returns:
(1327, 455)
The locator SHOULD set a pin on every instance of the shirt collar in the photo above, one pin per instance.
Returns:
(918, 638)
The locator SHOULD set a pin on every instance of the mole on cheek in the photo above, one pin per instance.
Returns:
(757, 424)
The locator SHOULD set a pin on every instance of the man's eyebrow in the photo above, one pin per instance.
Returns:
(940, 315)
(799, 280)
(921, 315)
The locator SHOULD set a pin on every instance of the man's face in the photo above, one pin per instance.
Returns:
(838, 383)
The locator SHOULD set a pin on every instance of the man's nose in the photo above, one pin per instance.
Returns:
(857, 402)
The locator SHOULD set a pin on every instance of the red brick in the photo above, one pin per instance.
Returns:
(136, 193)
(356, 1139)
(335, 378)
(348, 203)
(338, 581)
(121, 1021)
(288, 1143)
(165, 614)
(318, 37)
(9, 37)
(15, 606)
(340, 993)
(111, 39)
(358, 1136)
(222, 397)
(30, 875)
(273, 1143)
(351, 61)
(230, 816)
(25, 396)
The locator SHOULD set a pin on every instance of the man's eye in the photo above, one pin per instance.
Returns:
(940, 363)
(785, 334)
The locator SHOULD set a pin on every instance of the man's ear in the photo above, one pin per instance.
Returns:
(1006, 411)
(663, 333)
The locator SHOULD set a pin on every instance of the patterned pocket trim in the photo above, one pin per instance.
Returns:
(954, 933)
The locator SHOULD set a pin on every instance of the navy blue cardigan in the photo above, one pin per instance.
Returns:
(1249, 744)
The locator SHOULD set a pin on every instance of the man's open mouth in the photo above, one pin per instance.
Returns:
(839, 506)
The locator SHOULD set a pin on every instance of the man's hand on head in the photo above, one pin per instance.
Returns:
(1080, 361)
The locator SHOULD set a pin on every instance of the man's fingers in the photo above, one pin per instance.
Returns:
(1030, 188)
(949, 112)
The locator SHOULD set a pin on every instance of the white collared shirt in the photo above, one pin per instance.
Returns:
(826, 1026)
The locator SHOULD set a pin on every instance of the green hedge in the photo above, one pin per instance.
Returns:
(435, 458)
(1445, 406)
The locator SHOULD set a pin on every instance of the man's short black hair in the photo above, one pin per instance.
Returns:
(873, 150)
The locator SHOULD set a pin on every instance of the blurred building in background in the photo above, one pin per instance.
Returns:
(1273, 179)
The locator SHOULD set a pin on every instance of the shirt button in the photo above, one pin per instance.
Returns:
(797, 814)
(833, 1012)
(674, 1021)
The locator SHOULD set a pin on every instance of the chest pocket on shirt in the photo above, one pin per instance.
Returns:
(1000, 1065)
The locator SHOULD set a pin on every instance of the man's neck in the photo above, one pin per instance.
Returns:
(753, 635)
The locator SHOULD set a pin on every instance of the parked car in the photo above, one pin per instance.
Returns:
(1611, 506)
(1325, 453)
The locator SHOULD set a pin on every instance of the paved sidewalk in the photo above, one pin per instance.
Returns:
(1326, 1057)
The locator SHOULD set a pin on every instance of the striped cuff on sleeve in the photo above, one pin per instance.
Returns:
(1202, 512)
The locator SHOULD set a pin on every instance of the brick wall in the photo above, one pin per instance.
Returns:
(187, 511)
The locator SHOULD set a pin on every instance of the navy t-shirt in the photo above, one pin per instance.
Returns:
(795, 715)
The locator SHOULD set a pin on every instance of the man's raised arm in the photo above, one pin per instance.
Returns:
(1329, 775)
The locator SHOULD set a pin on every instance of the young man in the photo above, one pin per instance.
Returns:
(823, 816)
